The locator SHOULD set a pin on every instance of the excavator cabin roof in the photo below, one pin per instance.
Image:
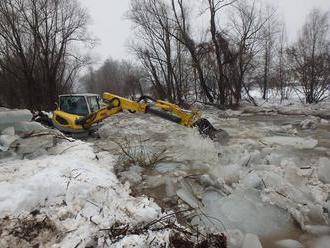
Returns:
(80, 94)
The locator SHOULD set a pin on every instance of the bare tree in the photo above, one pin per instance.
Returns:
(37, 39)
(270, 32)
(310, 57)
(183, 35)
(247, 23)
(221, 64)
(220, 46)
(281, 70)
(151, 18)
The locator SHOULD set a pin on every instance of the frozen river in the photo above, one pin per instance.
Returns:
(270, 178)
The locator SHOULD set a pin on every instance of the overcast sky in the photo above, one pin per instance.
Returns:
(113, 31)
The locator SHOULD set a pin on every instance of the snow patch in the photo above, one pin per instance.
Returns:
(74, 187)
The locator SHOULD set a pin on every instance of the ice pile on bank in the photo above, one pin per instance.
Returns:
(18, 133)
(57, 192)
(77, 190)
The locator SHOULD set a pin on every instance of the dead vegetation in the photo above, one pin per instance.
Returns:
(180, 237)
(34, 230)
(137, 152)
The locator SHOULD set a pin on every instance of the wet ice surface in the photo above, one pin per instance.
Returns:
(243, 209)
(270, 179)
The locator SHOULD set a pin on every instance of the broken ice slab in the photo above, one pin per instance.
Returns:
(166, 167)
(32, 144)
(318, 229)
(188, 194)
(133, 175)
(251, 180)
(6, 141)
(243, 210)
(310, 123)
(322, 242)
(28, 127)
(188, 198)
(8, 131)
(324, 170)
(251, 241)
(235, 238)
(289, 243)
(9, 117)
(298, 142)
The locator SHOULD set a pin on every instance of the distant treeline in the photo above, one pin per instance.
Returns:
(39, 58)
(242, 45)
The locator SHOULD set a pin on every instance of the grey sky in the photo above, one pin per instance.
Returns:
(113, 31)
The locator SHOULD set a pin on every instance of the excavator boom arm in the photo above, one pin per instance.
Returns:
(163, 109)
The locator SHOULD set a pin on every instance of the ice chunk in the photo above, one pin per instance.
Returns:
(33, 144)
(188, 198)
(230, 173)
(324, 122)
(324, 170)
(251, 241)
(206, 180)
(133, 175)
(6, 141)
(9, 117)
(193, 147)
(168, 167)
(235, 238)
(9, 131)
(28, 126)
(291, 175)
(169, 187)
(6, 154)
(244, 210)
(289, 243)
(298, 142)
(322, 242)
(318, 229)
(187, 194)
(154, 181)
(315, 214)
(272, 179)
(310, 123)
(327, 205)
(252, 180)
(231, 112)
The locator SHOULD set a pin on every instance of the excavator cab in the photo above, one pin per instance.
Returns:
(72, 107)
(81, 105)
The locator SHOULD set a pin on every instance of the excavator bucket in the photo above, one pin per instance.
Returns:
(205, 128)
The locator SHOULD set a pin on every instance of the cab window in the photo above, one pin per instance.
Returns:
(74, 105)
(93, 103)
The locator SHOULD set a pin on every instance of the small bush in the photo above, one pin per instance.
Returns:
(137, 152)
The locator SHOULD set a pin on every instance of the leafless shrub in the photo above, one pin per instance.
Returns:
(137, 152)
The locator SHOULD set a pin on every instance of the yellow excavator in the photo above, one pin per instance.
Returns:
(77, 113)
